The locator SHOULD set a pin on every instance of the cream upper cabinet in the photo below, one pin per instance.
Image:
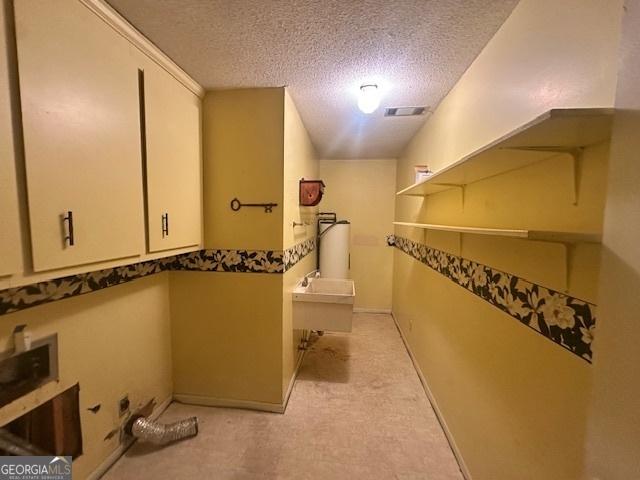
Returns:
(173, 161)
(82, 136)
(10, 251)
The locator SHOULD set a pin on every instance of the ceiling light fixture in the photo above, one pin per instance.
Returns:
(369, 98)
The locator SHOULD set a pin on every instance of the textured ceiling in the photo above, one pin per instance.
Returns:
(323, 50)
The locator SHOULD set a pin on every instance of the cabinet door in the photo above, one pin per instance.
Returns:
(10, 251)
(173, 161)
(81, 120)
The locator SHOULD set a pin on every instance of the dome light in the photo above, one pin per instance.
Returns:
(369, 98)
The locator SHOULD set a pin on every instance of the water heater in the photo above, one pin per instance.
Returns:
(334, 249)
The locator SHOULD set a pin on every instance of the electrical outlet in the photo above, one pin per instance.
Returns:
(123, 405)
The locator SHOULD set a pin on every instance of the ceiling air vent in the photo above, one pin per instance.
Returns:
(405, 111)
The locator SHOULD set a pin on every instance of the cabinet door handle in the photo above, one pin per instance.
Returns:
(165, 225)
(68, 220)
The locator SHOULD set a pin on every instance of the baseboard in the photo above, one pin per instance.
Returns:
(205, 401)
(123, 447)
(245, 404)
(372, 310)
(452, 443)
(292, 382)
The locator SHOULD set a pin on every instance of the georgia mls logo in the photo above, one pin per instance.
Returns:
(60, 466)
(35, 468)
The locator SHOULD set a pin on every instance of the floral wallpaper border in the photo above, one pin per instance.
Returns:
(19, 298)
(239, 261)
(567, 321)
(235, 261)
(296, 253)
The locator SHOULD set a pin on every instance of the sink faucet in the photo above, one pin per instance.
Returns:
(305, 281)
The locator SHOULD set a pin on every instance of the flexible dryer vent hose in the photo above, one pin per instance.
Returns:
(161, 434)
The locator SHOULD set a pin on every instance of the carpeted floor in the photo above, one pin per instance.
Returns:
(357, 410)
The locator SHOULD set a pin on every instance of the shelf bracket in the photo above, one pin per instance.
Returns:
(569, 260)
(462, 188)
(576, 155)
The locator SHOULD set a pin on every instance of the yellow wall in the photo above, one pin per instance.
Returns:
(243, 134)
(363, 192)
(300, 161)
(232, 333)
(227, 327)
(226, 335)
(514, 402)
(548, 54)
(113, 342)
(613, 444)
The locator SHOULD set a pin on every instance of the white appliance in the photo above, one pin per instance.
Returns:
(334, 249)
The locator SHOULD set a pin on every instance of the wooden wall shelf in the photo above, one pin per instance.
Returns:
(556, 131)
(540, 235)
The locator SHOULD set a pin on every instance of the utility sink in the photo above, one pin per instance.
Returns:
(324, 304)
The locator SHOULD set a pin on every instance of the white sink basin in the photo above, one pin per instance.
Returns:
(324, 304)
(327, 290)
